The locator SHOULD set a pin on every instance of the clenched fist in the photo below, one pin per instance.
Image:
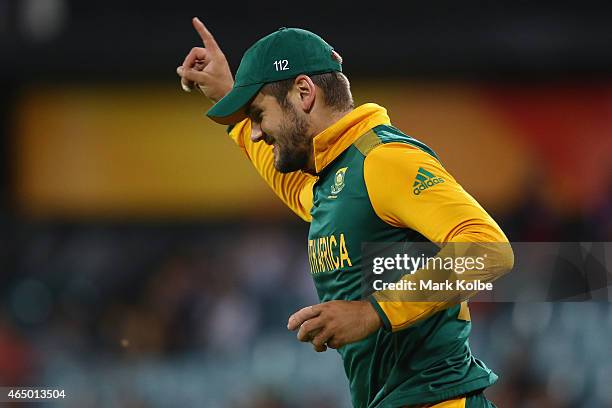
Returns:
(335, 323)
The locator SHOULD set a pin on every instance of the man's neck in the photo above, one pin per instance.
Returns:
(319, 124)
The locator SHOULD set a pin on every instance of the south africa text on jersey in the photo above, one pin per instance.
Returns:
(328, 253)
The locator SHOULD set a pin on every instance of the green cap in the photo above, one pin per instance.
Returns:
(283, 54)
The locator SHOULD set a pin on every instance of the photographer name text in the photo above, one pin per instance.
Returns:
(433, 285)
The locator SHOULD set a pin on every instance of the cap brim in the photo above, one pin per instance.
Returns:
(231, 109)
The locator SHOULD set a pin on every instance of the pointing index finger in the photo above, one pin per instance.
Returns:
(205, 35)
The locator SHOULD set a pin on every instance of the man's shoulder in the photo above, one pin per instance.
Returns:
(385, 134)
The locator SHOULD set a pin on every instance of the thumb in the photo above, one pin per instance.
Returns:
(192, 75)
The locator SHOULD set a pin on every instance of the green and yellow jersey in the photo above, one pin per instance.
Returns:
(376, 184)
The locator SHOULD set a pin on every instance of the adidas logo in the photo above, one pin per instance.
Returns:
(425, 179)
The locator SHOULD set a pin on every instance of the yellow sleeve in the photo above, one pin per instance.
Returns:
(294, 189)
(441, 210)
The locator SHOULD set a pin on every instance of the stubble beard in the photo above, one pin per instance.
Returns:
(292, 154)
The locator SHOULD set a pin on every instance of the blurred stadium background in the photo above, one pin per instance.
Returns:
(144, 264)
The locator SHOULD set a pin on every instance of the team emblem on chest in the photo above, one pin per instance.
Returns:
(338, 181)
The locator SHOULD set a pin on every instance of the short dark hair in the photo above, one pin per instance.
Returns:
(335, 86)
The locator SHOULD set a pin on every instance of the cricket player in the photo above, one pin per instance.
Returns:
(355, 178)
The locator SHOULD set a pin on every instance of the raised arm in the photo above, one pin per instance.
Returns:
(206, 69)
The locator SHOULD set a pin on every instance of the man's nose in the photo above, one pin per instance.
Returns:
(256, 132)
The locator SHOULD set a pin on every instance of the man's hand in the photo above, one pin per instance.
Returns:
(206, 68)
(335, 323)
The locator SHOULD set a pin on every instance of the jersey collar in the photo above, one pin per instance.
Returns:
(334, 140)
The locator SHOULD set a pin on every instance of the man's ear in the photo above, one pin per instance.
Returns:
(306, 92)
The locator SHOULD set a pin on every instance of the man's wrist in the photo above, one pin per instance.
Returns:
(373, 320)
(216, 98)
